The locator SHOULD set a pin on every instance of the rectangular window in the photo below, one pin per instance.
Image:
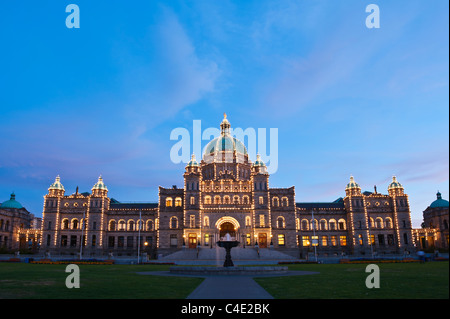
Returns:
(129, 241)
(372, 239)
(315, 240)
(324, 241)
(120, 241)
(305, 241)
(381, 240)
(360, 238)
(390, 239)
(111, 241)
(261, 200)
(249, 238)
(333, 240)
(63, 241)
(73, 241)
(343, 240)
(281, 240)
(206, 239)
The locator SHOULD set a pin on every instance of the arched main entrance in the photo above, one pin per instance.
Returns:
(227, 228)
(229, 225)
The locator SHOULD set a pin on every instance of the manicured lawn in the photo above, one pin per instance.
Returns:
(20, 280)
(334, 281)
(397, 280)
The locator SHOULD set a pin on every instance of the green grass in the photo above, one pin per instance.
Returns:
(336, 281)
(29, 281)
(347, 281)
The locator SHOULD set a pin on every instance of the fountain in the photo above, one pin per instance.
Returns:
(227, 243)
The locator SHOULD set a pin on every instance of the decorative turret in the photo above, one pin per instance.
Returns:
(225, 126)
(352, 188)
(258, 166)
(56, 189)
(193, 166)
(395, 188)
(100, 189)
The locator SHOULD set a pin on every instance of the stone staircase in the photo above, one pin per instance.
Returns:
(218, 254)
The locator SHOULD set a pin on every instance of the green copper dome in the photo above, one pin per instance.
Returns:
(225, 142)
(11, 203)
(439, 202)
(193, 161)
(394, 184)
(57, 184)
(352, 183)
(259, 161)
(100, 184)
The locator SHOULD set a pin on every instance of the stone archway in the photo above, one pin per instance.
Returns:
(229, 225)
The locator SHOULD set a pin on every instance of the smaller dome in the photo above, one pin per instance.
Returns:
(439, 202)
(100, 184)
(57, 184)
(394, 183)
(352, 183)
(193, 161)
(259, 161)
(11, 203)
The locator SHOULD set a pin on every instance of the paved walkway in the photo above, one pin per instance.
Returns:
(229, 287)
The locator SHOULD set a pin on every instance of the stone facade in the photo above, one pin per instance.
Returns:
(226, 193)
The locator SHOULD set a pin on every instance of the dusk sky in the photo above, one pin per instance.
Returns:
(104, 98)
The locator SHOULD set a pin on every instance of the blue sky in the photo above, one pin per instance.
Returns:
(103, 99)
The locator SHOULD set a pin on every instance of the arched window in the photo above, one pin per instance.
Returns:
(245, 199)
(206, 221)
(65, 223)
(122, 224)
(169, 202)
(112, 225)
(341, 224)
(74, 223)
(131, 225)
(323, 224)
(173, 222)
(178, 202)
(379, 222)
(332, 224)
(305, 224)
(281, 222)
(149, 225)
(217, 199)
(248, 222)
(275, 202)
(284, 202)
(388, 222)
(192, 200)
(236, 199)
(261, 200)
(208, 200)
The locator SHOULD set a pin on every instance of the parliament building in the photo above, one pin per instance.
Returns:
(225, 192)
